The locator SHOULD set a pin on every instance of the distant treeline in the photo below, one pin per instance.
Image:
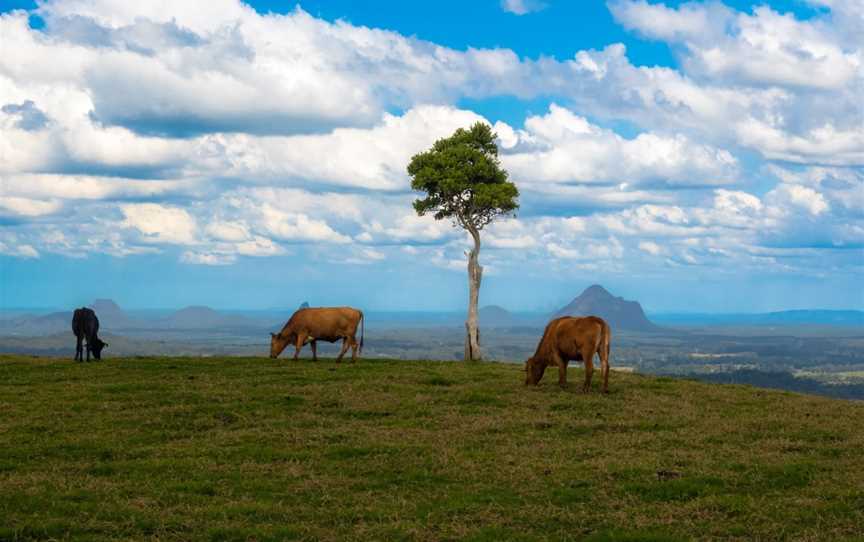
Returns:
(829, 317)
(783, 381)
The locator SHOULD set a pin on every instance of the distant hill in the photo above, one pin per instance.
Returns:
(494, 315)
(111, 317)
(618, 312)
(199, 316)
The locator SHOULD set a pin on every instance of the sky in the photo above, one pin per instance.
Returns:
(695, 156)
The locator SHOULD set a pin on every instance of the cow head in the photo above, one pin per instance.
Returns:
(534, 370)
(278, 342)
(97, 347)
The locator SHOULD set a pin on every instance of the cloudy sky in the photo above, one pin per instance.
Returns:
(695, 156)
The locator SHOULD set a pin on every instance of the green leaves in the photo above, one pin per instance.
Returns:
(463, 179)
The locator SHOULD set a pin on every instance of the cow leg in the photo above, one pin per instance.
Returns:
(562, 369)
(79, 352)
(344, 349)
(301, 340)
(354, 347)
(314, 350)
(604, 367)
(562, 374)
(87, 348)
(588, 356)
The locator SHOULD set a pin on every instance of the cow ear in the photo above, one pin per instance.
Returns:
(273, 335)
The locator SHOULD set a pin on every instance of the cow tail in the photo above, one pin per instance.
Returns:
(362, 330)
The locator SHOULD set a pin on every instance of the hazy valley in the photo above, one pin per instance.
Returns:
(812, 351)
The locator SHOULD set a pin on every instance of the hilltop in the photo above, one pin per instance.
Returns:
(617, 311)
(112, 318)
(252, 448)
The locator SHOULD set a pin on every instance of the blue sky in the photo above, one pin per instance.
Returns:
(694, 156)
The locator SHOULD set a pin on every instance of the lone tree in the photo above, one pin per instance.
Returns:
(463, 181)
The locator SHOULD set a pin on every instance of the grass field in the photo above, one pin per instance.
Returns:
(260, 449)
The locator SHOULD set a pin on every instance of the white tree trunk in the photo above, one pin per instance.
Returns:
(475, 275)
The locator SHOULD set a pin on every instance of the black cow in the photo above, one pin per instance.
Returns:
(85, 326)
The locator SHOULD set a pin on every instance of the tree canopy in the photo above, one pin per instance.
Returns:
(463, 179)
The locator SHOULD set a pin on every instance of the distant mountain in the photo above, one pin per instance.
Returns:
(618, 312)
(199, 316)
(110, 315)
(493, 315)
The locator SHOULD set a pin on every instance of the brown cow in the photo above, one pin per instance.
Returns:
(570, 338)
(325, 323)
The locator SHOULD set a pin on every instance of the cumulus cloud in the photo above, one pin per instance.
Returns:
(564, 147)
(160, 223)
(298, 227)
(372, 158)
(766, 47)
(232, 134)
(791, 195)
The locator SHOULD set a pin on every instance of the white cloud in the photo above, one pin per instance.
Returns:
(373, 158)
(651, 248)
(228, 230)
(298, 227)
(160, 223)
(798, 196)
(235, 134)
(26, 207)
(10, 246)
(842, 188)
(207, 258)
(609, 248)
(763, 48)
(691, 21)
(90, 187)
(563, 147)
(522, 7)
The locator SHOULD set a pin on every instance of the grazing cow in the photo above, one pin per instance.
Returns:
(326, 324)
(571, 338)
(85, 326)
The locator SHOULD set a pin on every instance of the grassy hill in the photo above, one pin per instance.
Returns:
(257, 449)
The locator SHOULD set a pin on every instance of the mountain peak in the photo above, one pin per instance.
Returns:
(596, 291)
(618, 312)
(105, 305)
(110, 314)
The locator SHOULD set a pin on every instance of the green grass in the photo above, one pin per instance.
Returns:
(257, 449)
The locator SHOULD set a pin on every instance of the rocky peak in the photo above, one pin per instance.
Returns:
(618, 312)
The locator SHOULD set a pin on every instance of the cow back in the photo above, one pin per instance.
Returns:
(568, 335)
(324, 322)
(85, 323)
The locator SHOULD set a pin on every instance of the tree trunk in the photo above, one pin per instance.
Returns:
(475, 275)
